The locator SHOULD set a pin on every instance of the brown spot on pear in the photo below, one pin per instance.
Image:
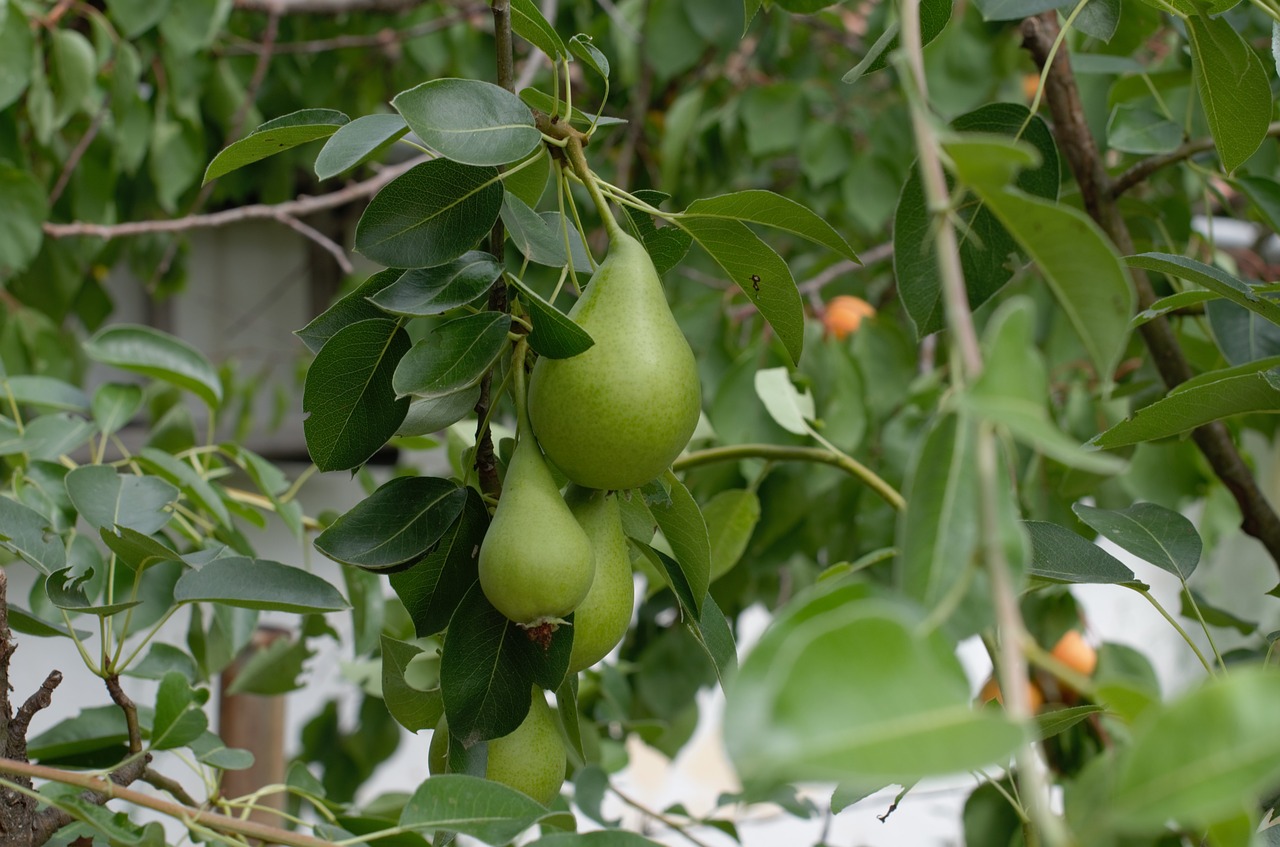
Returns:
(617, 415)
(601, 619)
(535, 561)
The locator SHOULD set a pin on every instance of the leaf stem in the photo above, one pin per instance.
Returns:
(1173, 623)
(776, 452)
(579, 162)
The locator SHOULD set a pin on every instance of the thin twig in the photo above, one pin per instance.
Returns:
(77, 153)
(1138, 172)
(130, 712)
(292, 208)
(158, 780)
(381, 38)
(326, 243)
(41, 699)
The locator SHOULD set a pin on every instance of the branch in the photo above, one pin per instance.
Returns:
(326, 243)
(17, 732)
(77, 153)
(6, 653)
(326, 7)
(158, 780)
(257, 211)
(1139, 171)
(130, 712)
(1259, 519)
(381, 38)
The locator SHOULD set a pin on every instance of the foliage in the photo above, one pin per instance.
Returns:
(1058, 355)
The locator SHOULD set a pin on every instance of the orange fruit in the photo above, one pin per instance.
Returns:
(991, 691)
(1074, 652)
(844, 314)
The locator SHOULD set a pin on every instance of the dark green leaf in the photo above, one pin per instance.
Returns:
(107, 499)
(1149, 531)
(196, 488)
(530, 25)
(46, 392)
(666, 246)
(488, 811)
(413, 708)
(470, 121)
(1057, 721)
(156, 354)
(536, 99)
(582, 46)
(135, 549)
(26, 623)
(1217, 281)
(1263, 193)
(774, 210)
(541, 240)
(27, 533)
(17, 52)
(432, 589)
(394, 526)
(1245, 338)
(74, 591)
(429, 215)
(430, 291)
(1137, 129)
(454, 356)
(357, 142)
(553, 335)
(1060, 555)
(246, 583)
(1235, 92)
(353, 408)
(352, 308)
(934, 15)
(276, 136)
(114, 405)
(179, 716)
(432, 414)
(685, 529)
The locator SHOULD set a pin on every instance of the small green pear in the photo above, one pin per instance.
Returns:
(601, 619)
(535, 561)
(617, 415)
(531, 759)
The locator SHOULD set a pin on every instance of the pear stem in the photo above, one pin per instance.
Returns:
(579, 162)
(775, 452)
(523, 428)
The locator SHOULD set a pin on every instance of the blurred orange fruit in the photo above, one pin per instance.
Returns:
(1074, 652)
(991, 691)
(845, 314)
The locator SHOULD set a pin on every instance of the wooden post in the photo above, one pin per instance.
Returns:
(254, 723)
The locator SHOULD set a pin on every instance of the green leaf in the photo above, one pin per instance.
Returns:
(1245, 338)
(1217, 281)
(357, 142)
(17, 53)
(1192, 600)
(196, 488)
(599, 838)
(1014, 385)
(1234, 90)
(685, 529)
(433, 588)
(247, 583)
(23, 208)
(1263, 192)
(150, 352)
(536, 99)
(1210, 400)
(26, 623)
(1151, 532)
(454, 356)
(755, 268)
(1137, 129)
(134, 17)
(413, 708)
(352, 308)
(530, 25)
(353, 409)
(114, 405)
(46, 392)
(395, 526)
(76, 591)
(135, 549)
(488, 666)
(1061, 556)
(667, 246)
(934, 16)
(553, 335)
(276, 136)
(749, 9)
(582, 46)
(1074, 256)
(774, 210)
(430, 291)
(731, 518)
(709, 626)
(540, 239)
(985, 243)
(1165, 305)
(895, 713)
(1009, 10)
(164, 658)
(432, 414)
(488, 811)
(74, 65)
(27, 533)
(470, 121)
(430, 214)
(275, 668)
(789, 409)
(179, 716)
(1058, 721)
(1200, 757)
(105, 498)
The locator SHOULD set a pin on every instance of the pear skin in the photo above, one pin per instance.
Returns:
(601, 619)
(535, 561)
(617, 415)
(531, 759)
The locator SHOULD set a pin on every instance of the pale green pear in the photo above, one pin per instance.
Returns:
(601, 619)
(531, 759)
(535, 561)
(617, 415)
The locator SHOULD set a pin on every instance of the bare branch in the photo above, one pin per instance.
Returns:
(1138, 172)
(333, 248)
(130, 712)
(17, 732)
(292, 208)
(77, 152)
(158, 780)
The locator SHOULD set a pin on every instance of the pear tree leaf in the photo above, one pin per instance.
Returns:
(685, 529)
(1235, 92)
(179, 715)
(485, 810)
(429, 291)
(789, 408)
(150, 352)
(543, 102)
(773, 210)
(246, 583)
(430, 214)
(71, 590)
(114, 405)
(1194, 606)
(433, 587)
(135, 549)
(1151, 532)
(351, 308)
(529, 23)
(469, 121)
(413, 708)
(454, 356)
(105, 498)
(1217, 281)
(584, 49)
(27, 533)
(357, 142)
(554, 335)
(349, 397)
(539, 239)
(395, 526)
(1059, 555)
(23, 202)
(667, 246)
(275, 136)
(431, 414)
(46, 392)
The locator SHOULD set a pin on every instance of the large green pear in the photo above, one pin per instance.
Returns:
(617, 415)
(531, 759)
(535, 561)
(601, 619)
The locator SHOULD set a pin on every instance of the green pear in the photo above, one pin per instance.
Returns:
(601, 619)
(531, 759)
(617, 415)
(535, 561)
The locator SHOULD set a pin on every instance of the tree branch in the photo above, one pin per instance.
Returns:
(130, 712)
(381, 38)
(17, 732)
(1076, 142)
(158, 780)
(1138, 172)
(257, 211)
(326, 7)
